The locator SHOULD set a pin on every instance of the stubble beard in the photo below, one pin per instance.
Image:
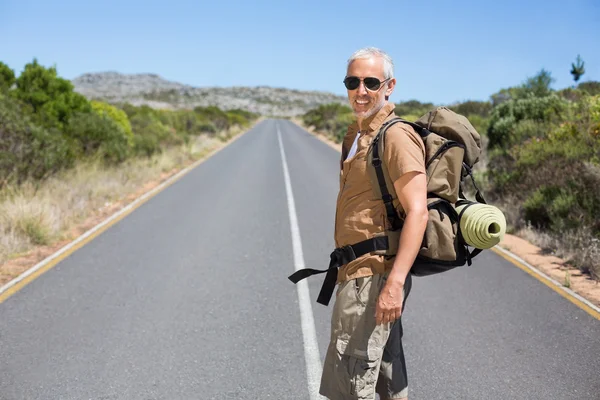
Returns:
(360, 116)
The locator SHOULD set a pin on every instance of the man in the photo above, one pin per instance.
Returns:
(365, 353)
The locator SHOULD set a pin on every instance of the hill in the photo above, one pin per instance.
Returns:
(157, 92)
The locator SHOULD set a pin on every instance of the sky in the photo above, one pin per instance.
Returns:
(443, 51)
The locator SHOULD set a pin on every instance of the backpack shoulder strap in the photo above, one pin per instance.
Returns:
(381, 183)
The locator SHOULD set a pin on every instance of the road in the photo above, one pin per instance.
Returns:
(187, 298)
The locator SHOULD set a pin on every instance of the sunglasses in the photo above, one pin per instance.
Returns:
(353, 82)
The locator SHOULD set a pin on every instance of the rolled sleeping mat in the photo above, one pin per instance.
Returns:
(482, 226)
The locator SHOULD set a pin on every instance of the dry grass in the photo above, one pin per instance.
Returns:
(579, 248)
(35, 214)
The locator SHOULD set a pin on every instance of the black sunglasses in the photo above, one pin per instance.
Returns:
(353, 82)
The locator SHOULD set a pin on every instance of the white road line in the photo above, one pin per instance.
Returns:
(311, 348)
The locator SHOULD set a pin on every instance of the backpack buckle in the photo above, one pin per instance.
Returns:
(343, 255)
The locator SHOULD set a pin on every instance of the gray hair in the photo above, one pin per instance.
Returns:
(368, 52)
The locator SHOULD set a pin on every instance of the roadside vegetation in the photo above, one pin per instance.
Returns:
(64, 158)
(540, 161)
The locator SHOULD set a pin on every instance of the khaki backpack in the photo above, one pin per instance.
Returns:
(452, 147)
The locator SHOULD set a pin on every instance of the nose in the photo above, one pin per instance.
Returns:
(361, 90)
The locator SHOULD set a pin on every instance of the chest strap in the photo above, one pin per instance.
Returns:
(339, 257)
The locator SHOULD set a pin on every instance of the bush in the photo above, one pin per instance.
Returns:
(590, 87)
(572, 95)
(413, 107)
(214, 114)
(28, 151)
(247, 115)
(7, 77)
(148, 125)
(52, 99)
(503, 131)
(480, 123)
(99, 135)
(236, 119)
(117, 115)
(322, 117)
(555, 170)
(472, 108)
(145, 145)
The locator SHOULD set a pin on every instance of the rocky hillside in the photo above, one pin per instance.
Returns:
(157, 92)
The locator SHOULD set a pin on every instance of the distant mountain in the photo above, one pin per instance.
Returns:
(157, 92)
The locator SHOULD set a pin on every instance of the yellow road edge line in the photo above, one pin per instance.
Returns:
(568, 294)
(46, 264)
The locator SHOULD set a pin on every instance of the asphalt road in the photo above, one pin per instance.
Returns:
(188, 298)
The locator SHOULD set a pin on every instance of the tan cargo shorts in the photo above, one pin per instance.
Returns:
(364, 358)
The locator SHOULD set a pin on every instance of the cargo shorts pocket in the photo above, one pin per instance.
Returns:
(357, 348)
(357, 374)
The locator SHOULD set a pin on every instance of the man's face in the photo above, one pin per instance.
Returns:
(363, 101)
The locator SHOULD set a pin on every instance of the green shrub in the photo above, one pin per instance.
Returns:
(324, 117)
(235, 119)
(503, 131)
(590, 87)
(247, 115)
(572, 95)
(554, 170)
(480, 123)
(207, 127)
(473, 108)
(145, 145)
(117, 115)
(148, 125)
(214, 114)
(99, 135)
(7, 77)
(560, 208)
(51, 98)
(28, 151)
(413, 107)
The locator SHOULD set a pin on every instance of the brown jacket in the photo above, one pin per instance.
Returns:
(359, 214)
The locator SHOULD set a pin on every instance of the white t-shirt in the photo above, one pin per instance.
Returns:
(352, 151)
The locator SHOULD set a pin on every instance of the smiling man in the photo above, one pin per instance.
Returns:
(365, 353)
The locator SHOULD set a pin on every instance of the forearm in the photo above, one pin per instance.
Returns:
(411, 239)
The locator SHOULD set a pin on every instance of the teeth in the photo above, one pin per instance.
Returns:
(361, 102)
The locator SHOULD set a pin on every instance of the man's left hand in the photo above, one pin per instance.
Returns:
(389, 303)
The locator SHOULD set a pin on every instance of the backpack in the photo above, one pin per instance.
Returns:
(452, 147)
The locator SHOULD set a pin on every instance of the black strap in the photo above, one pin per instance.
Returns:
(339, 257)
(475, 251)
(387, 198)
(391, 213)
(421, 130)
(478, 194)
(461, 239)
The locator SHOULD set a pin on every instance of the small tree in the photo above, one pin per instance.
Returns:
(539, 85)
(50, 97)
(117, 115)
(577, 68)
(7, 77)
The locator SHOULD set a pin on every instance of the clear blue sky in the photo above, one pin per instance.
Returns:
(444, 51)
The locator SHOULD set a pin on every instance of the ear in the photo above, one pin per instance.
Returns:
(391, 84)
